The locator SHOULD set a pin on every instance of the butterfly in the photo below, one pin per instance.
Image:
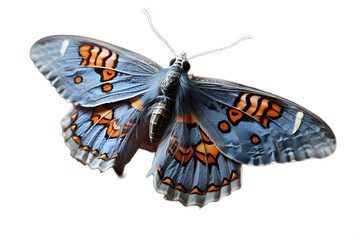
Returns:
(202, 129)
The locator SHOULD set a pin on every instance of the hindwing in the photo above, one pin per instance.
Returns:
(107, 135)
(189, 168)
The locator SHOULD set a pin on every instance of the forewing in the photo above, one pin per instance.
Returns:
(255, 127)
(189, 168)
(107, 135)
(90, 72)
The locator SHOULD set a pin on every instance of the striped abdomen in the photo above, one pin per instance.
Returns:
(159, 121)
(163, 111)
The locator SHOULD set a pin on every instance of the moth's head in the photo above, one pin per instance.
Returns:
(181, 62)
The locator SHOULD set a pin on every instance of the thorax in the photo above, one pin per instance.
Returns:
(170, 83)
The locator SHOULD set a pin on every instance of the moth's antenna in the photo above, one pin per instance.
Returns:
(157, 33)
(220, 49)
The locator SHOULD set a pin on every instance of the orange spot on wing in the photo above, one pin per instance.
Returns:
(184, 155)
(102, 115)
(73, 117)
(272, 113)
(85, 53)
(78, 80)
(235, 115)
(94, 53)
(85, 148)
(253, 104)
(204, 136)
(168, 181)
(276, 107)
(224, 126)
(136, 103)
(103, 157)
(255, 139)
(213, 188)
(233, 176)
(242, 103)
(95, 152)
(225, 182)
(107, 87)
(263, 106)
(196, 191)
(115, 156)
(181, 154)
(207, 153)
(108, 74)
(110, 62)
(179, 187)
(275, 111)
(206, 150)
(113, 130)
(76, 139)
(84, 50)
(103, 54)
(73, 127)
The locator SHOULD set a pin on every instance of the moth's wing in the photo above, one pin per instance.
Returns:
(107, 135)
(254, 127)
(90, 72)
(190, 169)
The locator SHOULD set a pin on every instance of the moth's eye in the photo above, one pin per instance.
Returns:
(186, 66)
(172, 62)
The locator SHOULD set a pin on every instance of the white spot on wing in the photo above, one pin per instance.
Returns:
(298, 118)
(64, 46)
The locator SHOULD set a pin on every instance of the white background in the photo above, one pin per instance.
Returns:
(307, 51)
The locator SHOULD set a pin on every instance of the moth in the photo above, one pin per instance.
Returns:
(202, 129)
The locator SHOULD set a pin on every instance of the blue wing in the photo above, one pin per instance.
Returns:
(189, 168)
(254, 127)
(107, 135)
(90, 72)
